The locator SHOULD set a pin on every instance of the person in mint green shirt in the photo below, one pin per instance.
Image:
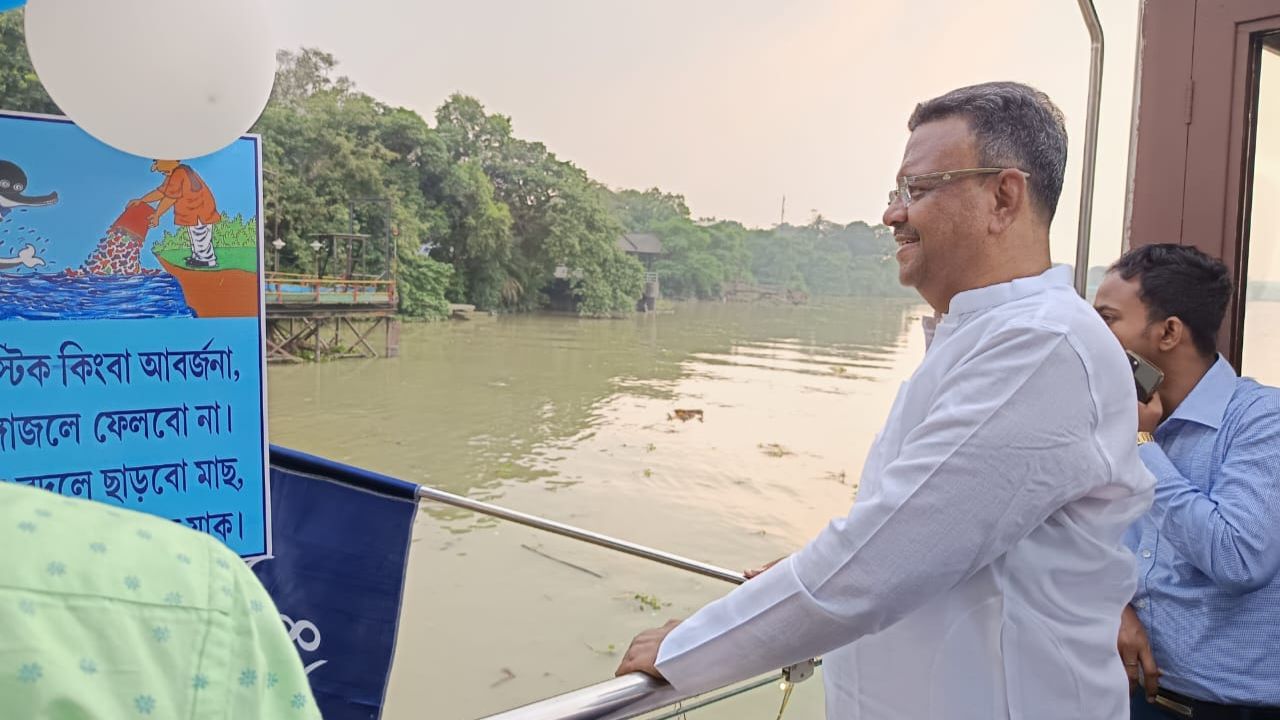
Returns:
(107, 614)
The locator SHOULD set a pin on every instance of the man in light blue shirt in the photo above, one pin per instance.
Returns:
(1204, 624)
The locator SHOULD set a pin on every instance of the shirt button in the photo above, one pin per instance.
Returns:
(1146, 553)
(1140, 603)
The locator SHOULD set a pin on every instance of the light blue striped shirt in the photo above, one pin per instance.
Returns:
(1208, 552)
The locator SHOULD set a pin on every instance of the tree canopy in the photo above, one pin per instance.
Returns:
(482, 216)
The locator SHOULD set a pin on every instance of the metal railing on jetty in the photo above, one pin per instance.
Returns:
(311, 317)
(619, 698)
(284, 287)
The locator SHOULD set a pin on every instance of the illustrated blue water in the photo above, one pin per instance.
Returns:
(95, 297)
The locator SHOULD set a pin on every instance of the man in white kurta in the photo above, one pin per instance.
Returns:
(981, 572)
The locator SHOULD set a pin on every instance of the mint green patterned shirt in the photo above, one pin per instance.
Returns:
(108, 614)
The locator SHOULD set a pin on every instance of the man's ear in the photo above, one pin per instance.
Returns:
(1172, 333)
(1010, 199)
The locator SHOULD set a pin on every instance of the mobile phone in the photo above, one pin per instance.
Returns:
(1146, 377)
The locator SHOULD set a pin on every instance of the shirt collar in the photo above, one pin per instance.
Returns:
(982, 298)
(1207, 401)
(930, 325)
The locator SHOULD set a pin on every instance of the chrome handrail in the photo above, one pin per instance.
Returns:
(702, 702)
(1091, 21)
(595, 538)
(622, 699)
(592, 702)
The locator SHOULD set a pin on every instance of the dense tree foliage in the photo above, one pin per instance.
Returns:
(481, 216)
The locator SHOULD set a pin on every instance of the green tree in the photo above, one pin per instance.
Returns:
(482, 216)
(478, 243)
(557, 218)
(327, 151)
(20, 89)
(641, 211)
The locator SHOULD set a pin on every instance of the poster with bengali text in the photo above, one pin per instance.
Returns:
(131, 328)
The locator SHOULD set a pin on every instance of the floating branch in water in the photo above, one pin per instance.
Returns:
(566, 563)
(507, 676)
(774, 450)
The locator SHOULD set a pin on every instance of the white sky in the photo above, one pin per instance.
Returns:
(1264, 238)
(734, 103)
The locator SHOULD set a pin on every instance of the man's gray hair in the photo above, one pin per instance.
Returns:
(1015, 125)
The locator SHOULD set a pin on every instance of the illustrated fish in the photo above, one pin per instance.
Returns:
(13, 182)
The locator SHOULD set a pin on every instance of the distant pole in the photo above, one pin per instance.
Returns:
(782, 220)
(391, 247)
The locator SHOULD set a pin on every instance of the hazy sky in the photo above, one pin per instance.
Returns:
(1264, 235)
(734, 103)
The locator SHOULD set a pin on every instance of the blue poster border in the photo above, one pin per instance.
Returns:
(256, 139)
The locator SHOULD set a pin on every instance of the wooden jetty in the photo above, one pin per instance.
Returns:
(314, 317)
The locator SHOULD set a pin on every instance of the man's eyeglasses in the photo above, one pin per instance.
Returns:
(934, 180)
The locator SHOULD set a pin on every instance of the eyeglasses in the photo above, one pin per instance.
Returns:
(937, 179)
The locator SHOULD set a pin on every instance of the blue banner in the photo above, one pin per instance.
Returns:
(336, 574)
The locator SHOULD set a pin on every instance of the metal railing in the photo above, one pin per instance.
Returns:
(615, 699)
(1083, 232)
(621, 697)
(317, 289)
(631, 695)
(628, 697)
(595, 538)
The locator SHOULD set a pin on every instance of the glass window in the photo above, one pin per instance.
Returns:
(1262, 275)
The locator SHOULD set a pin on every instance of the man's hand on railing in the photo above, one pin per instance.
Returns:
(756, 571)
(642, 656)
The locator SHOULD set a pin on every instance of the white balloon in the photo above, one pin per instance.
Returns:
(167, 79)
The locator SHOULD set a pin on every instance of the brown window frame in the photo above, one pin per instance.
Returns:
(1196, 98)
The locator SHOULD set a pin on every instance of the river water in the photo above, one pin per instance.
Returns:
(570, 419)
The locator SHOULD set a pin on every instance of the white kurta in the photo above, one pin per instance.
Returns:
(980, 574)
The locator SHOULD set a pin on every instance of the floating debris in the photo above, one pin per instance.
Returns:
(774, 450)
(685, 415)
(566, 563)
(507, 676)
(651, 602)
